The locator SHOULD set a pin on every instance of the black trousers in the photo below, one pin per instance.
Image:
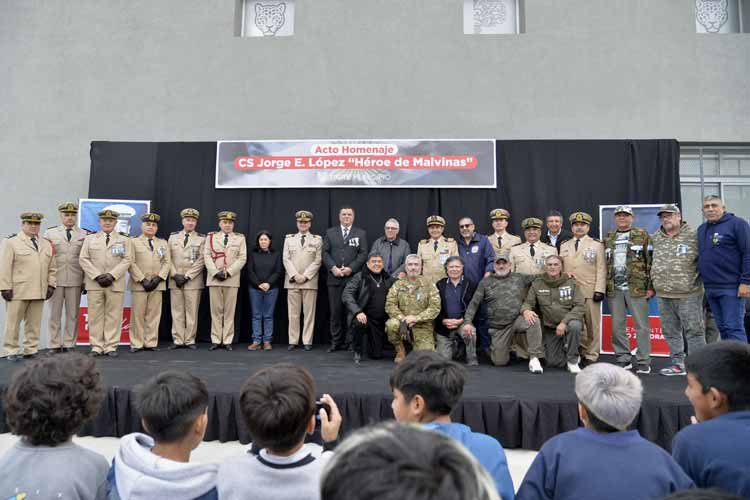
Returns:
(374, 330)
(340, 336)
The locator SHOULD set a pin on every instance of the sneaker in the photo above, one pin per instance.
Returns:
(626, 365)
(255, 346)
(472, 362)
(535, 366)
(574, 368)
(643, 369)
(13, 357)
(673, 370)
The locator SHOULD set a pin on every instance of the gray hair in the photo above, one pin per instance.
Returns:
(394, 221)
(453, 258)
(404, 457)
(712, 197)
(611, 393)
(412, 256)
(556, 257)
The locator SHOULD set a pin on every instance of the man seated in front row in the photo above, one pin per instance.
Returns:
(715, 452)
(456, 292)
(278, 407)
(174, 412)
(561, 303)
(503, 292)
(426, 387)
(603, 459)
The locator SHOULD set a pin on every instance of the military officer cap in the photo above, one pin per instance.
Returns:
(504, 255)
(531, 222)
(108, 214)
(227, 215)
(435, 220)
(304, 216)
(32, 217)
(68, 208)
(669, 208)
(150, 217)
(623, 209)
(580, 217)
(189, 212)
(499, 213)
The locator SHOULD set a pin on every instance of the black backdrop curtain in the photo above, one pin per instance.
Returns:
(533, 178)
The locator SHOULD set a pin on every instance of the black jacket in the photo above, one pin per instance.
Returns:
(565, 235)
(468, 292)
(350, 253)
(356, 293)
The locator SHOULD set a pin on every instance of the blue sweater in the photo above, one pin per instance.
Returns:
(486, 449)
(478, 256)
(584, 464)
(716, 453)
(724, 252)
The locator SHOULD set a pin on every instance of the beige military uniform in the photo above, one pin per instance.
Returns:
(588, 266)
(105, 304)
(524, 263)
(508, 241)
(301, 297)
(27, 272)
(433, 260)
(69, 282)
(187, 259)
(146, 311)
(230, 258)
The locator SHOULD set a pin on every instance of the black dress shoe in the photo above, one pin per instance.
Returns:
(333, 348)
(350, 348)
(112, 354)
(94, 354)
(308, 348)
(291, 347)
(29, 356)
(135, 349)
(192, 347)
(228, 347)
(173, 347)
(213, 347)
(152, 349)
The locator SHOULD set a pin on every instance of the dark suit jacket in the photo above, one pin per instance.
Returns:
(565, 234)
(350, 253)
(468, 292)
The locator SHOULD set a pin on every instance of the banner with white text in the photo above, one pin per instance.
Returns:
(370, 163)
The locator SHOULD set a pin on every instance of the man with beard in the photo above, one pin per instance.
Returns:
(561, 304)
(364, 298)
(503, 292)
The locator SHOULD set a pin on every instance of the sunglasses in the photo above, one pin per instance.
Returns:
(463, 226)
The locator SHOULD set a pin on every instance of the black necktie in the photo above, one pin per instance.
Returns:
(33, 240)
(303, 240)
(435, 245)
(107, 242)
(577, 242)
(226, 239)
(151, 244)
(346, 232)
(531, 250)
(390, 259)
(187, 237)
(67, 232)
(499, 242)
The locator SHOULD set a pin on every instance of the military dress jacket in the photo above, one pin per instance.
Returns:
(24, 269)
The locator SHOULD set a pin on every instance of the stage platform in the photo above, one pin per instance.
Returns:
(520, 409)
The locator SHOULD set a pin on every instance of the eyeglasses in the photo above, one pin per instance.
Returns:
(391, 229)
(463, 226)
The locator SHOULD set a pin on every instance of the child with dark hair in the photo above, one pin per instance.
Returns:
(48, 401)
(715, 452)
(278, 406)
(173, 407)
(426, 387)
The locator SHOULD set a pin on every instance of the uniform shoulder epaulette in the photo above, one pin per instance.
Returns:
(174, 232)
(88, 231)
(449, 240)
(124, 234)
(517, 244)
(596, 239)
(316, 236)
(51, 227)
(12, 235)
(200, 234)
(240, 234)
(211, 232)
(563, 241)
(289, 235)
(423, 241)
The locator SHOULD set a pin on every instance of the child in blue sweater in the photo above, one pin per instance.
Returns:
(603, 459)
(715, 452)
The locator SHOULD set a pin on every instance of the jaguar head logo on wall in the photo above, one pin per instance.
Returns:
(269, 18)
(712, 14)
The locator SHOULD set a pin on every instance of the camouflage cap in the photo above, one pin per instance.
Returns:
(435, 220)
(504, 255)
(530, 222)
(499, 213)
(227, 215)
(150, 217)
(32, 217)
(108, 214)
(303, 216)
(68, 208)
(189, 212)
(623, 209)
(668, 208)
(580, 217)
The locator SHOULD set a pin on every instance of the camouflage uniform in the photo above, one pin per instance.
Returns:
(674, 273)
(504, 296)
(630, 295)
(560, 300)
(419, 298)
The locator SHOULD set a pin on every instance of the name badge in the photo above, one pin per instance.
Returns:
(716, 239)
(682, 249)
